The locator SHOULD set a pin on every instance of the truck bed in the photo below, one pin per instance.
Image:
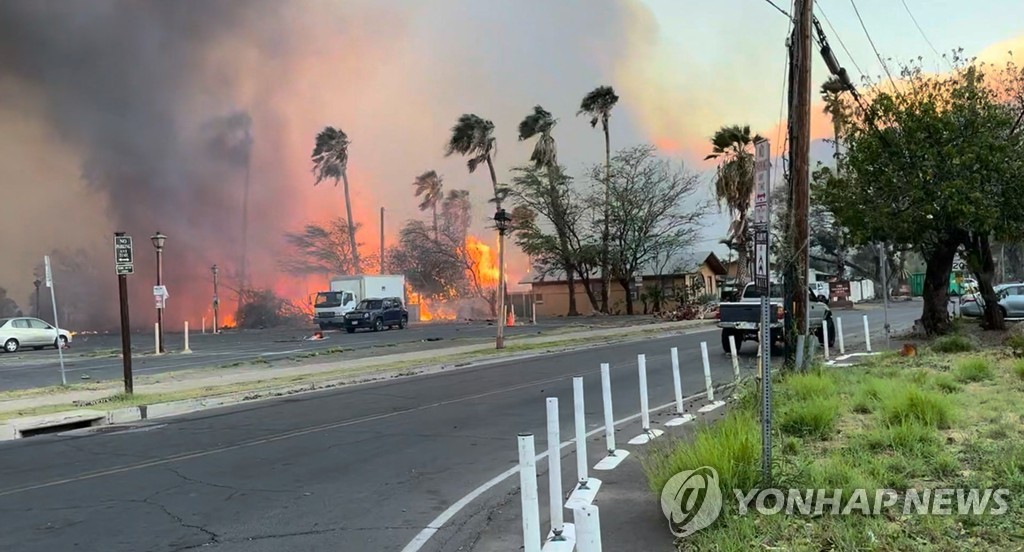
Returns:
(743, 313)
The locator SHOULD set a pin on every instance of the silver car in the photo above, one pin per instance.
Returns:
(16, 333)
(1011, 300)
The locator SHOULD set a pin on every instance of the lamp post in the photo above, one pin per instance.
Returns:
(37, 283)
(158, 242)
(501, 222)
(216, 299)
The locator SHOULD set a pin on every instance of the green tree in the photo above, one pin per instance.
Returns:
(330, 160)
(734, 185)
(473, 137)
(597, 105)
(431, 186)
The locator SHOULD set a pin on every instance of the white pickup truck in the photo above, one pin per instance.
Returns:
(741, 318)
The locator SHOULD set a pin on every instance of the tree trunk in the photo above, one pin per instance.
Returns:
(629, 295)
(351, 226)
(494, 181)
(570, 280)
(606, 275)
(585, 280)
(939, 264)
(437, 236)
(979, 254)
(741, 260)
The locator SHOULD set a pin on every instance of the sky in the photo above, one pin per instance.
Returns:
(127, 92)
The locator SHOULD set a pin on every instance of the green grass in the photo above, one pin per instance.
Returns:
(812, 418)
(946, 383)
(954, 343)
(907, 403)
(974, 369)
(1015, 341)
(1018, 368)
(810, 385)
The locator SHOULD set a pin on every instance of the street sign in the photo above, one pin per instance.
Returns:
(160, 291)
(959, 264)
(49, 273)
(762, 265)
(123, 257)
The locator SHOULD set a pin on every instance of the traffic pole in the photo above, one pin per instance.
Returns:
(187, 349)
(554, 469)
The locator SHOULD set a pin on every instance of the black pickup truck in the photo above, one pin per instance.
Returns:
(741, 318)
(377, 314)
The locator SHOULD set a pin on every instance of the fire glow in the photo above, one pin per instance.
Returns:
(485, 264)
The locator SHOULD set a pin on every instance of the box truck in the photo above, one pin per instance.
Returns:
(347, 291)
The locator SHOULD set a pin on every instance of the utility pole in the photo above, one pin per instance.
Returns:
(799, 151)
(382, 271)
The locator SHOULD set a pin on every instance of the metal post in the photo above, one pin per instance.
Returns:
(156, 338)
(534, 317)
(37, 283)
(216, 299)
(766, 390)
(677, 384)
(204, 325)
(382, 241)
(528, 487)
(801, 349)
(645, 414)
(56, 323)
(735, 357)
(885, 295)
(867, 334)
(707, 371)
(609, 417)
(500, 340)
(160, 309)
(824, 334)
(583, 476)
(588, 528)
(554, 469)
(126, 334)
(187, 349)
(839, 335)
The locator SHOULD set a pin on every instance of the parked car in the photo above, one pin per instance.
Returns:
(1011, 300)
(819, 290)
(24, 331)
(741, 319)
(376, 314)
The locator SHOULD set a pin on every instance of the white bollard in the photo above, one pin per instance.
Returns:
(676, 382)
(956, 308)
(867, 334)
(615, 457)
(588, 528)
(156, 338)
(824, 334)
(735, 357)
(204, 325)
(839, 335)
(707, 381)
(528, 486)
(554, 469)
(534, 317)
(186, 350)
(645, 413)
(582, 476)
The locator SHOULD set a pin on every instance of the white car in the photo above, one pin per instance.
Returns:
(16, 333)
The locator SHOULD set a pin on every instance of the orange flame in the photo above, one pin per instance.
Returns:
(227, 321)
(485, 262)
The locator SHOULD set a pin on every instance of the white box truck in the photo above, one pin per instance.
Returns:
(347, 291)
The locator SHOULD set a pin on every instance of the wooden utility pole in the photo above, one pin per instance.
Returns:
(382, 271)
(800, 150)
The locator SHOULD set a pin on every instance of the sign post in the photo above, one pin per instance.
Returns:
(56, 324)
(762, 239)
(123, 266)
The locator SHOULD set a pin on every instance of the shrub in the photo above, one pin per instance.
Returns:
(1015, 341)
(953, 344)
(813, 418)
(909, 404)
(731, 446)
(973, 369)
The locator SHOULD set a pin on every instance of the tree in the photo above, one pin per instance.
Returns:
(551, 195)
(598, 104)
(473, 137)
(734, 184)
(431, 187)
(934, 164)
(653, 210)
(8, 307)
(322, 249)
(330, 160)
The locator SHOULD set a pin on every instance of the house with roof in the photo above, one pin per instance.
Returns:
(678, 277)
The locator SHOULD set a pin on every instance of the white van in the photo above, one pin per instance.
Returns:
(820, 291)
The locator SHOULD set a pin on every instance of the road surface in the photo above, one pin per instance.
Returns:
(360, 468)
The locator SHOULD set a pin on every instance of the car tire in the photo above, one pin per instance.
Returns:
(11, 345)
(725, 341)
(37, 348)
(63, 342)
(403, 323)
(350, 330)
(831, 333)
(1002, 309)
(378, 324)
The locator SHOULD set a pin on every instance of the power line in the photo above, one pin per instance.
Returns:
(872, 42)
(923, 35)
(840, 39)
(780, 10)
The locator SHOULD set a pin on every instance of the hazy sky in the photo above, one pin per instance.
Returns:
(132, 88)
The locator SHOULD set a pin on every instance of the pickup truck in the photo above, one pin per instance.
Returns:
(740, 319)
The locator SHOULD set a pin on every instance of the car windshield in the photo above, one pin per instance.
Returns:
(370, 304)
(328, 299)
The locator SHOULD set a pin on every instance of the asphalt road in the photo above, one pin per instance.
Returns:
(362, 468)
(96, 357)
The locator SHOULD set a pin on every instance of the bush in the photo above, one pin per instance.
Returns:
(814, 418)
(731, 446)
(973, 369)
(905, 403)
(953, 344)
(1015, 341)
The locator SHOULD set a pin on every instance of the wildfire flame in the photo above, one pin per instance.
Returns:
(227, 321)
(485, 265)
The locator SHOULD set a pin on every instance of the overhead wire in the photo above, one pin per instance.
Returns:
(839, 38)
(872, 42)
(780, 10)
(923, 35)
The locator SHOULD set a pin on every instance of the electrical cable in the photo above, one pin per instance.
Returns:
(872, 42)
(923, 35)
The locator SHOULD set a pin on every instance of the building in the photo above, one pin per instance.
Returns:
(677, 280)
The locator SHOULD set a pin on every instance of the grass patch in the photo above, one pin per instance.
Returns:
(907, 403)
(954, 343)
(810, 385)
(1018, 368)
(946, 383)
(973, 369)
(813, 418)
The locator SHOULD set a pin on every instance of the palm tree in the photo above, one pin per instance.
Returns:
(330, 160)
(430, 186)
(545, 156)
(473, 136)
(734, 184)
(598, 104)
(830, 92)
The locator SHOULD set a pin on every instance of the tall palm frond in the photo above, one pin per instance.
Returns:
(429, 185)
(598, 104)
(540, 123)
(473, 137)
(330, 154)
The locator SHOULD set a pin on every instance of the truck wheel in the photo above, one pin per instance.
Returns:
(831, 333)
(378, 324)
(402, 323)
(350, 330)
(725, 341)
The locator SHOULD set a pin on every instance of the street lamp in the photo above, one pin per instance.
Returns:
(501, 222)
(158, 242)
(216, 300)
(37, 283)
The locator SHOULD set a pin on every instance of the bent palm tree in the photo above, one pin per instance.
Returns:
(598, 104)
(473, 137)
(430, 186)
(734, 184)
(330, 160)
(830, 94)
